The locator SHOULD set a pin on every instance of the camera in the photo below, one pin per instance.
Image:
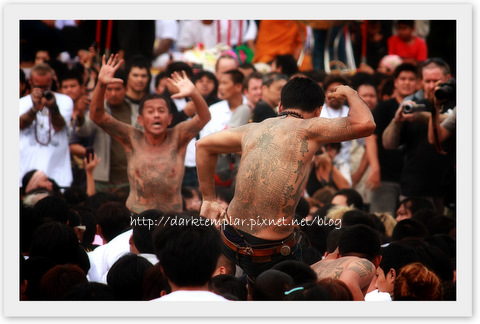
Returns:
(47, 94)
(446, 90)
(409, 108)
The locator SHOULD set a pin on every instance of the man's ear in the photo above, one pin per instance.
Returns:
(376, 261)
(280, 107)
(392, 275)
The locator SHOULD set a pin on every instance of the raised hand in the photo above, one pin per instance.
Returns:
(182, 83)
(107, 71)
(212, 210)
(341, 92)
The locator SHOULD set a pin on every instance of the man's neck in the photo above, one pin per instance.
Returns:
(155, 140)
(189, 288)
(135, 95)
(235, 101)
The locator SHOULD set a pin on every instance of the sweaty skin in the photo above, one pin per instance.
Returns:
(156, 155)
(276, 159)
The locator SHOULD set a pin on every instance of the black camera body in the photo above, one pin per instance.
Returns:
(47, 94)
(447, 90)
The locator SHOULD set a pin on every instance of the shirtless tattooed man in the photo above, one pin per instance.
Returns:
(275, 163)
(156, 155)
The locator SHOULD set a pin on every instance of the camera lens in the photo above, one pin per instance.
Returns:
(48, 95)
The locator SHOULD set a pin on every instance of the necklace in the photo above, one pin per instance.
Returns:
(285, 113)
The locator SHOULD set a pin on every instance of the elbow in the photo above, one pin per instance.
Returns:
(367, 128)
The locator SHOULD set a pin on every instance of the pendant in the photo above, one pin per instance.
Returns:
(285, 250)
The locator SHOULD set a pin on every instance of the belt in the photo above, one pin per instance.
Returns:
(284, 248)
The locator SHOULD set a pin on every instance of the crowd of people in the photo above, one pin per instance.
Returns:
(218, 160)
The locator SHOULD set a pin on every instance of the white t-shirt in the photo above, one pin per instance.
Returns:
(103, 257)
(221, 115)
(342, 160)
(52, 157)
(194, 31)
(191, 295)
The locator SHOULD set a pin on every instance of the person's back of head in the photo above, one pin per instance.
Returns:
(52, 208)
(408, 228)
(90, 291)
(440, 224)
(286, 64)
(310, 291)
(300, 272)
(33, 269)
(154, 284)
(126, 277)
(336, 288)
(59, 243)
(353, 198)
(394, 256)
(359, 240)
(59, 280)
(416, 282)
(333, 239)
(356, 216)
(188, 254)
(75, 195)
(302, 93)
(272, 285)
(179, 66)
(96, 200)
(113, 219)
(143, 229)
(89, 220)
(227, 284)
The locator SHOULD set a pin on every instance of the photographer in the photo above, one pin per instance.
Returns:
(425, 170)
(43, 137)
(439, 132)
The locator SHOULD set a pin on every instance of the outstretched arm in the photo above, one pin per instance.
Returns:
(359, 122)
(208, 149)
(190, 128)
(118, 130)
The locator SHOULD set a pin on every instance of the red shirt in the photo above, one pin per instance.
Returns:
(416, 51)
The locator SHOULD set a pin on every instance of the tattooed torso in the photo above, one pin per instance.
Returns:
(155, 174)
(273, 170)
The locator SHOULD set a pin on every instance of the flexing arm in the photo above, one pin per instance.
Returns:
(118, 130)
(359, 122)
(208, 149)
(190, 128)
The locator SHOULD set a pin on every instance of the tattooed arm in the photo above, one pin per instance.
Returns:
(208, 149)
(118, 130)
(357, 276)
(359, 122)
(190, 128)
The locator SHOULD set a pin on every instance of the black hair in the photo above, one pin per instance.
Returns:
(142, 231)
(236, 76)
(90, 291)
(302, 93)
(362, 78)
(300, 272)
(311, 291)
(357, 216)
(75, 195)
(224, 193)
(359, 239)
(154, 282)
(353, 197)
(59, 280)
(408, 67)
(152, 97)
(287, 63)
(178, 66)
(138, 61)
(394, 256)
(409, 23)
(333, 238)
(226, 284)
(75, 73)
(96, 200)
(89, 220)
(272, 285)
(52, 208)
(188, 254)
(334, 78)
(408, 228)
(59, 243)
(126, 276)
(113, 218)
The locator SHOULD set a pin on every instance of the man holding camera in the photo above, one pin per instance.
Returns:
(43, 140)
(424, 169)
